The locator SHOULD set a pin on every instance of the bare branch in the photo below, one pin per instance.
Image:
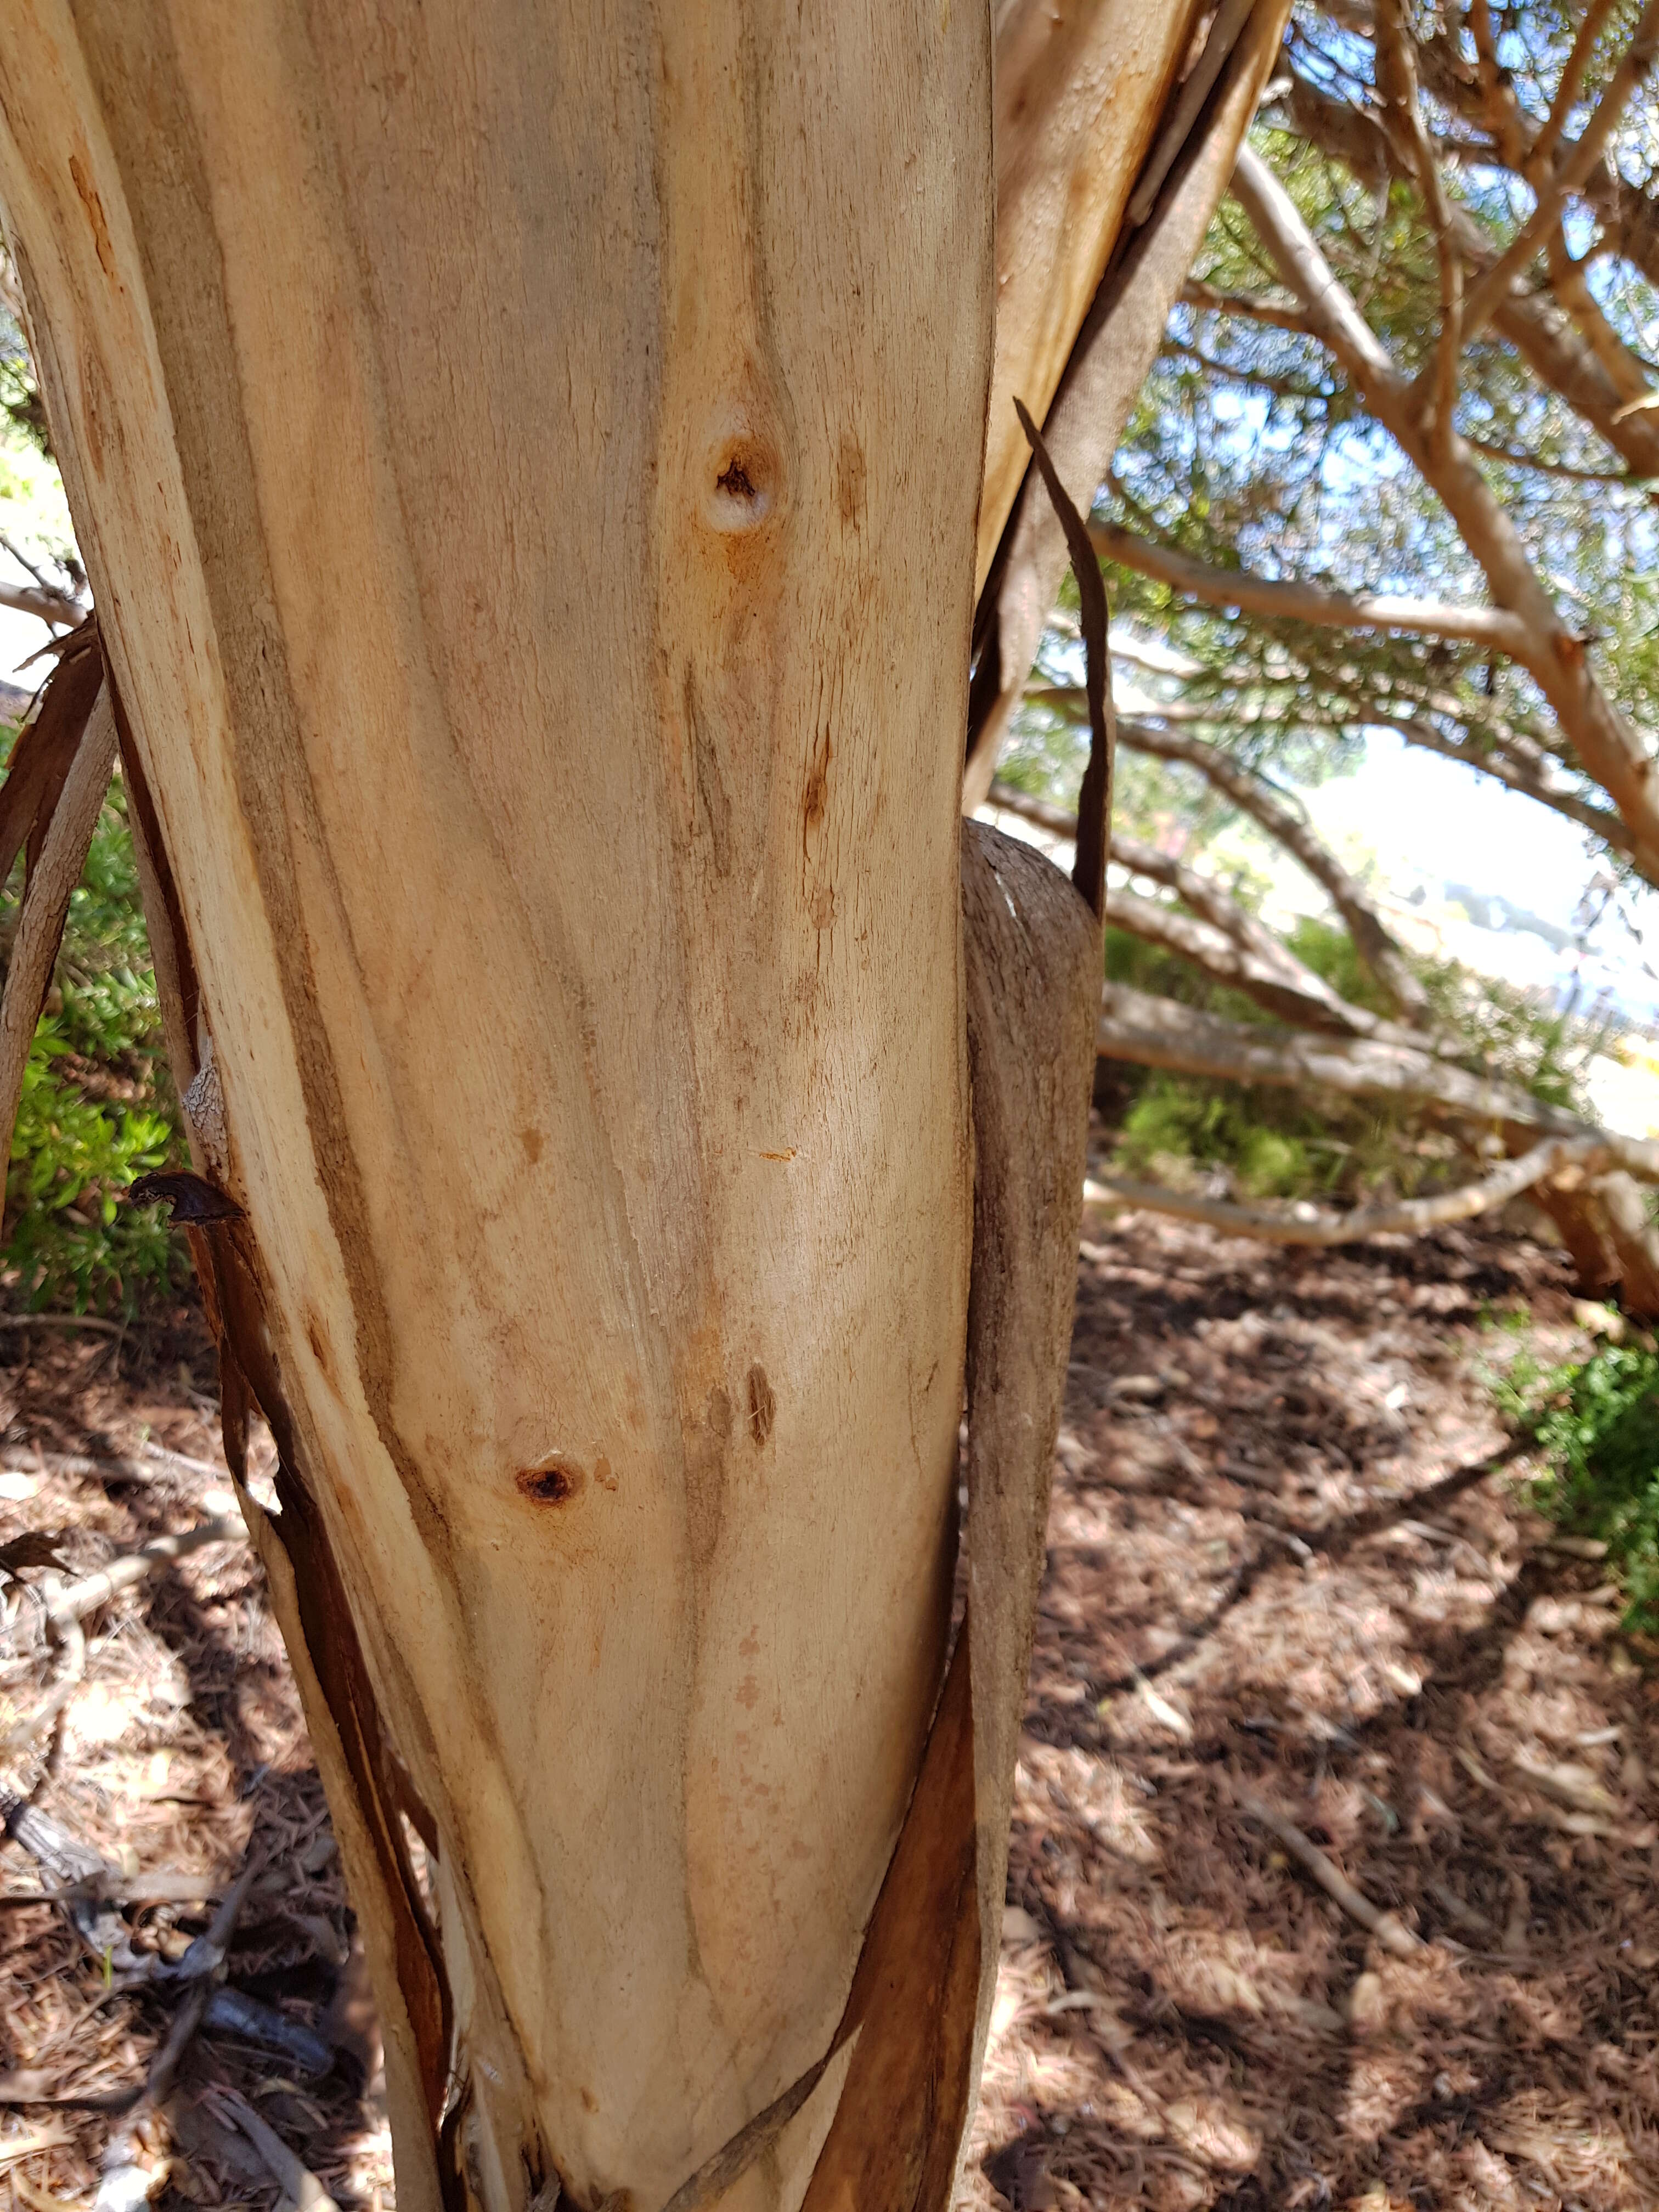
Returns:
(1396, 59)
(1537, 160)
(1309, 1224)
(1155, 1032)
(85, 1597)
(55, 607)
(1226, 943)
(1501, 765)
(1498, 96)
(1566, 175)
(1549, 649)
(1532, 322)
(1292, 601)
(1224, 961)
(1372, 939)
(1251, 306)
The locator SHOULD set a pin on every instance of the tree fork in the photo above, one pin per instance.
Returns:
(567, 976)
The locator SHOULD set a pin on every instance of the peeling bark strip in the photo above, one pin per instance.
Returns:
(52, 796)
(1034, 965)
(1094, 805)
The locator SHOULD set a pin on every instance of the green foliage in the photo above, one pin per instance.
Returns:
(1597, 1424)
(97, 1108)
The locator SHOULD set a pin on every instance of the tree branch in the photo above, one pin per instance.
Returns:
(1372, 939)
(1224, 942)
(1553, 654)
(55, 607)
(1307, 1225)
(1538, 158)
(1396, 57)
(1567, 174)
(1155, 1032)
(1531, 322)
(1498, 762)
(1291, 600)
(1252, 307)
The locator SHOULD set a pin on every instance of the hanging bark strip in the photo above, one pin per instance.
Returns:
(45, 745)
(68, 757)
(1094, 805)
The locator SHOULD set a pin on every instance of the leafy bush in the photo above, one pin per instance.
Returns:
(97, 1108)
(1598, 1424)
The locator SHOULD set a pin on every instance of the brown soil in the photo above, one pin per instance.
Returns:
(1284, 1577)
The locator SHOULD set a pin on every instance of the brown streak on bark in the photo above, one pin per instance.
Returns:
(892, 2146)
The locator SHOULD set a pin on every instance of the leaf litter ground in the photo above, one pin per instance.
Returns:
(1289, 1577)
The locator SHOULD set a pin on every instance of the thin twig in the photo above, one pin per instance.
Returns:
(1541, 153)
(1565, 177)
(209, 1950)
(83, 1597)
(64, 1321)
(1397, 52)
(1390, 1931)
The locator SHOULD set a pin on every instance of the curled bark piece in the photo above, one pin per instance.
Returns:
(1094, 805)
(45, 747)
(1115, 347)
(919, 2008)
(1033, 967)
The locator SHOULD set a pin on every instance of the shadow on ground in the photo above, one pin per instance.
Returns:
(1286, 1572)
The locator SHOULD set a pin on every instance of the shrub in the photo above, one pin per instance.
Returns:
(97, 1107)
(1596, 1423)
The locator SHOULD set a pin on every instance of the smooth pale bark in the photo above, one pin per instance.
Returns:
(1081, 86)
(525, 464)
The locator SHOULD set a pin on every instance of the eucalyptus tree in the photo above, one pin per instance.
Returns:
(527, 461)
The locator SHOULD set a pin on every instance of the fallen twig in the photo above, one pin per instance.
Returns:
(1303, 1223)
(109, 1887)
(96, 1322)
(300, 2184)
(1390, 1930)
(155, 1462)
(83, 1597)
(205, 1957)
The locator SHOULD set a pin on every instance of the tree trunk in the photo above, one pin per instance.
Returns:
(526, 463)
